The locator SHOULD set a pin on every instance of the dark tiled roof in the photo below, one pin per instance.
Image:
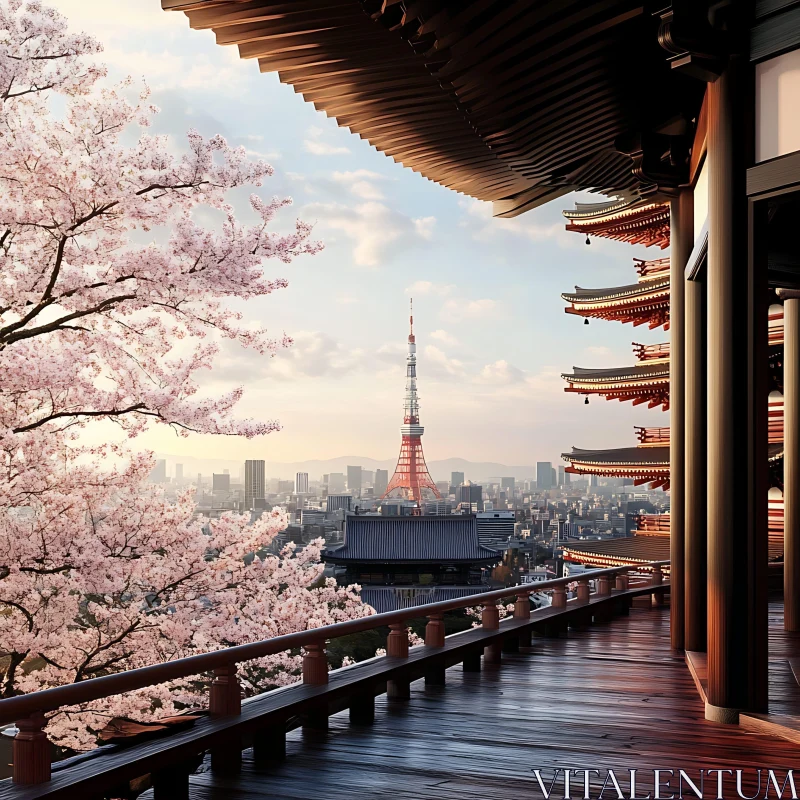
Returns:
(618, 373)
(436, 539)
(392, 598)
(622, 455)
(634, 548)
(630, 290)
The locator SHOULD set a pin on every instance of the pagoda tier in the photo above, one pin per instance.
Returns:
(643, 465)
(643, 303)
(646, 382)
(635, 220)
(630, 550)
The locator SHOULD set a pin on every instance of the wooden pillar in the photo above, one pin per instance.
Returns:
(737, 411)
(681, 242)
(490, 621)
(791, 459)
(225, 700)
(695, 489)
(397, 647)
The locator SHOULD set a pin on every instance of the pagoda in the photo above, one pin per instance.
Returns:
(648, 382)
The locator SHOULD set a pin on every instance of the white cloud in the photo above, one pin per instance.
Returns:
(261, 155)
(314, 144)
(428, 287)
(377, 232)
(502, 373)
(361, 182)
(424, 226)
(437, 364)
(444, 337)
(315, 354)
(456, 310)
(599, 350)
(484, 227)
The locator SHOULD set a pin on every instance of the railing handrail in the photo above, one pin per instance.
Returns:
(16, 708)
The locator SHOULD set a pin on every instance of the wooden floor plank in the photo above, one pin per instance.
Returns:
(611, 697)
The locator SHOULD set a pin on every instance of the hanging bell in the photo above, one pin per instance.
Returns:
(586, 321)
(586, 401)
(587, 239)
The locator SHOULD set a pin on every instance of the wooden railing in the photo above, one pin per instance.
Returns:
(313, 700)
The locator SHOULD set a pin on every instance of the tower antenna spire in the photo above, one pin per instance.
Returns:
(411, 321)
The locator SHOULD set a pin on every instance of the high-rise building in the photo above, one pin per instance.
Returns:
(336, 501)
(255, 481)
(354, 481)
(470, 495)
(443, 487)
(456, 478)
(381, 482)
(438, 508)
(159, 472)
(221, 483)
(553, 477)
(367, 476)
(544, 475)
(495, 527)
(301, 483)
(179, 473)
(593, 481)
(336, 483)
(509, 484)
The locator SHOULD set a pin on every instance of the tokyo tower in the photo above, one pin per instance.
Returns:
(411, 475)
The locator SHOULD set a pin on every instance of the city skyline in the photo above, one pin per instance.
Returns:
(493, 338)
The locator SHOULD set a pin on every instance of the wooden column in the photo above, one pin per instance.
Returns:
(737, 412)
(681, 243)
(695, 492)
(791, 459)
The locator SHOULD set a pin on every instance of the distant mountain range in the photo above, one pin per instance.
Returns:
(440, 470)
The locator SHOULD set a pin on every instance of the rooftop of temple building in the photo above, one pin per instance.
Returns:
(411, 539)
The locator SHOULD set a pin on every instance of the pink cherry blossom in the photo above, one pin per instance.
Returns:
(112, 297)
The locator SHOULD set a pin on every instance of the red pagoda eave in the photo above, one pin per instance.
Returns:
(646, 224)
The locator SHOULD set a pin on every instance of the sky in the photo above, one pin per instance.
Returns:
(492, 335)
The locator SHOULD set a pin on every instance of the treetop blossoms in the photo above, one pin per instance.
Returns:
(98, 573)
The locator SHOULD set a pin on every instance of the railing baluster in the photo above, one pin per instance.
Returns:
(315, 673)
(315, 664)
(397, 647)
(490, 621)
(658, 579)
(560, 597)
(434, 631)
(31, 751)
(604, 585)
(584, 590)
(225, 700)
(621, 583)
(226, 693)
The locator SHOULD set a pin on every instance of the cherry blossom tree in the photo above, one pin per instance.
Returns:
(112, 297)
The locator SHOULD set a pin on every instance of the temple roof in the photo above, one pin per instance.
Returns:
(434, 539)
(638, 456)
(618, 374)
(392, 598)
(617, 292)
(516, 103)
(628, 550)
(636, 220)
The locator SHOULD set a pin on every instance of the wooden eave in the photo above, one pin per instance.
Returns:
(509, 102)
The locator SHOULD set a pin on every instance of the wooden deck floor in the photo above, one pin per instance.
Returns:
(610, 697)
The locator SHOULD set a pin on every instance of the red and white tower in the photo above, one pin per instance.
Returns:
(411, 475)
